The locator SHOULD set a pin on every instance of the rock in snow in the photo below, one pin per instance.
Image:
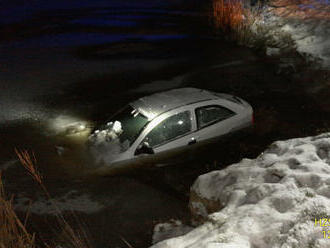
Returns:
(275, 200)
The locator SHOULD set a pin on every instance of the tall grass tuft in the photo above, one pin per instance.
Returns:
(13, 232)
(236, 21)
(228, 14)
(28, 163)
(247, 26)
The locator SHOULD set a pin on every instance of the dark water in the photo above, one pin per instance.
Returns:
(71, 61)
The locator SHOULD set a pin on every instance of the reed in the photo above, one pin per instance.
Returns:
(13, 232)
(228, 14)
(236, 21)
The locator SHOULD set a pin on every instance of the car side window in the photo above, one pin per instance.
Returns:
(170, 128)
(211, 114)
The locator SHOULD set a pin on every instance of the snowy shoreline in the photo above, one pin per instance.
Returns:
(270, 201)
(307, 24)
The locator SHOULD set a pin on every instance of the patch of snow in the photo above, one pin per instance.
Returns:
(69, 202)
(271, 51)
(104, 145)
(311, 38)
(12, 111)
(199, 208)
(160, 85)
(60, 150)
(309, 28)
(170, 229)
(273, 201)
(105, 152)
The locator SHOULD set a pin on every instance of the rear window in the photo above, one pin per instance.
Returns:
(209, 115)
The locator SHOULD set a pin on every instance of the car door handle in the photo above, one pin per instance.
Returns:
(192, 141)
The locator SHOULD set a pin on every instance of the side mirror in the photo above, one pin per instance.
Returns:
(144, 148)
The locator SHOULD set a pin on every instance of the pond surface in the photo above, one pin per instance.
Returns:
(63, 63)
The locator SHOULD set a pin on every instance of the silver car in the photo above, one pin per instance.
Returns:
(167, 123)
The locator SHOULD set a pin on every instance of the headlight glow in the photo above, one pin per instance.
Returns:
(63, 124)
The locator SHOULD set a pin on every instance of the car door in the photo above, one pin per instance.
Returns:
(213, 121)
(174, 132)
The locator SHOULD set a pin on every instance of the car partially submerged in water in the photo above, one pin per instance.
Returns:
(167, 123)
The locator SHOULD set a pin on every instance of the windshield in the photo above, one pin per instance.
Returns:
(132, 122)
(125, 126)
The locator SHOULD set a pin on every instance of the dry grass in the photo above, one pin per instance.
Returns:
(74, 238)
(228, 15)
(29, 164)
(236, 21)
(13, 232)
(246, 26)
(302, 9)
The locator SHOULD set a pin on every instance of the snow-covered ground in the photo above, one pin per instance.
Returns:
(275, 200)
(307, 22)
(171, 229)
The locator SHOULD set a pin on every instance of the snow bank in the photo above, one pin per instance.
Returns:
(271, 201)
(170, 229)
(307, 22)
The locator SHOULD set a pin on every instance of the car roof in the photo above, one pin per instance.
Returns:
(158, 103)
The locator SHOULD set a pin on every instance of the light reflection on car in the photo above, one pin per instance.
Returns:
(165, 122)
